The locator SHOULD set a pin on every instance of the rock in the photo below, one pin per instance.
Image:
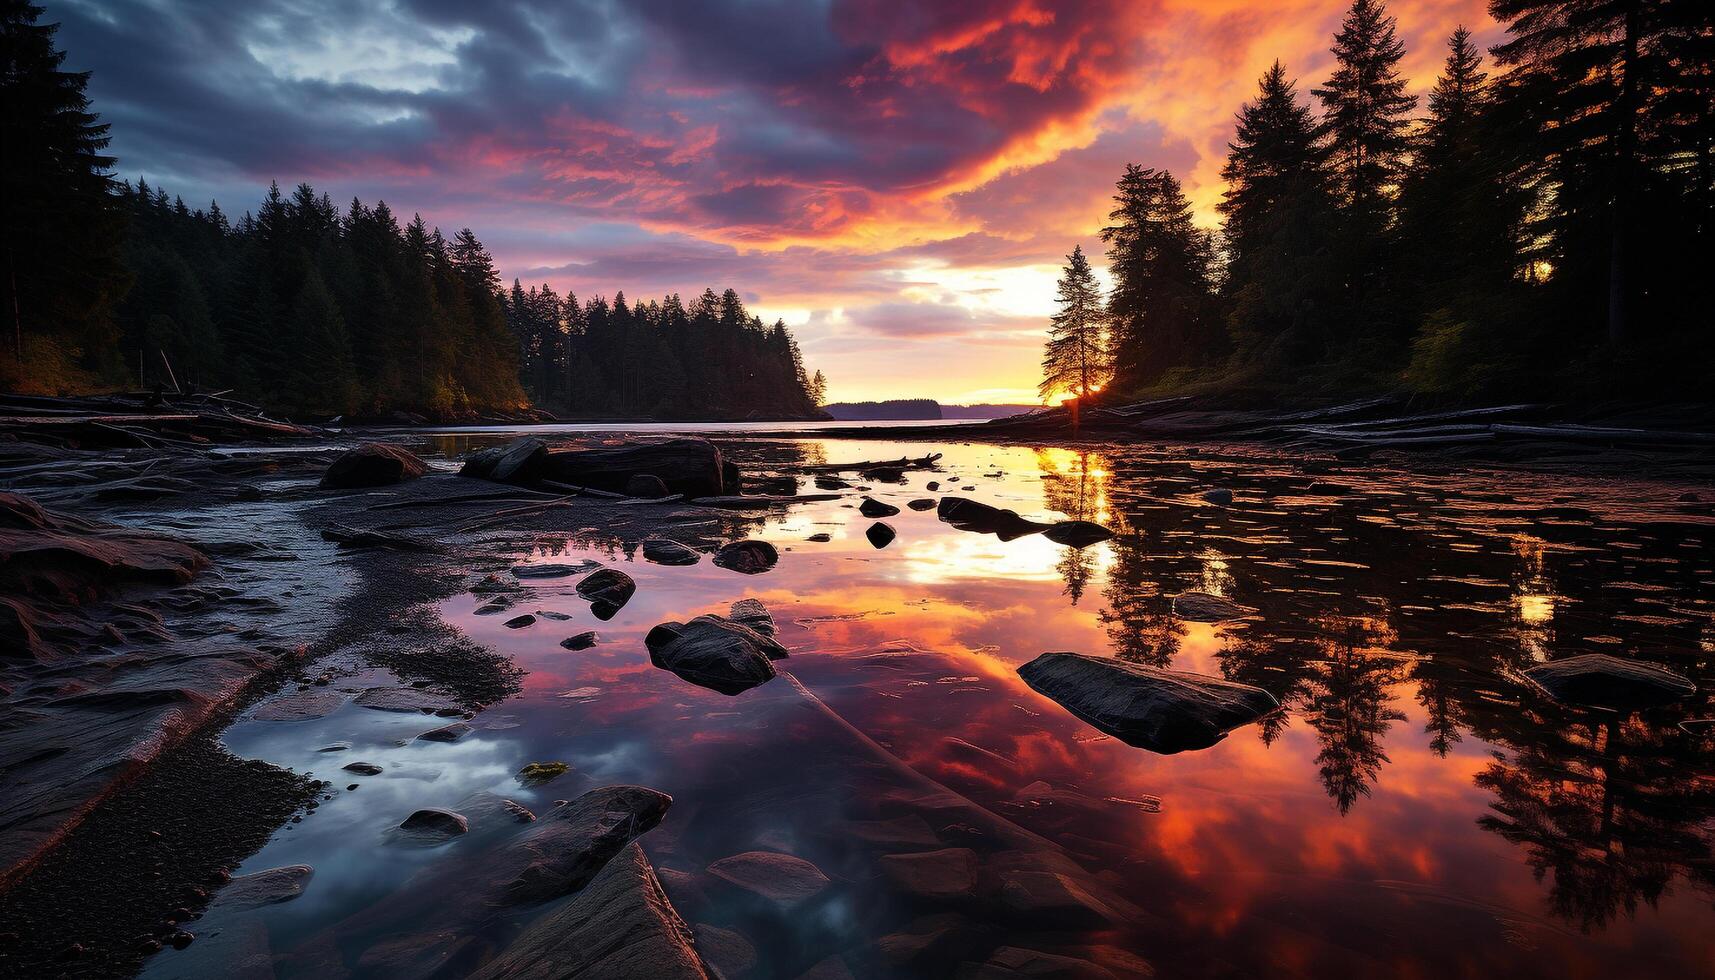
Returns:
(1206, 607)
(1164, 711)
(1221, 496)
(496, 605)
(939, 875)
(693, 467)
(715, 653)
(780, 878)
(408, 700)
(492, 584)
(832, 968)
(520, 461)
(335, 747)
(582, 641)
(553, 614)
(607, 590)
(909, 830)
(1599, 680)
(1077, 534)
(873, 508)
(434, 824)
(620, 926)
(568, 845)
(969, 515)
(753, 614)
(372, 464)
(1013, 963)
(725, 950)
(664, 552)
(363, 768)
(299, 705)
(645, 485)
(922, 503)
(553, 569)
(1047, 898)
(831, 483)
(820, 537)
(1689, 498)
(537, 773)
(519, 622)
(446, 733)
(268, 887)
(885, 474)
(881, 534)
(931, 939)
(749, 557)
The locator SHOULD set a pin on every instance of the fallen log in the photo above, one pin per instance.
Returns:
(904, 462)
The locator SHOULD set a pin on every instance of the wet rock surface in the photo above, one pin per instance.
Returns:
(1205, 607)
(267, 887)
(373, 464)
(664, 552)
(715, 652)
(747, 557)
(783, 879)
(434, 825)
(608, 590)
(693, 467)
(970, 515)
(880, 534)
(1077, 534)
(873, 508)
(1604, 681)
(1165, 711)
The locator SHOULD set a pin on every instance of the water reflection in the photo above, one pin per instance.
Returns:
(1411, 789)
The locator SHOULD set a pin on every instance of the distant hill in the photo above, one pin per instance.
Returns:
(899, 409)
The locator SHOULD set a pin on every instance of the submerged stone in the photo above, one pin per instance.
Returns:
(1164, 711)
(749, 557)
(581, 641)
(433, 824)
(608, 590)
(969, 515)
(1603, 681)
(664, 552)
(782, 879)
(1206, 607)
(1077, 534)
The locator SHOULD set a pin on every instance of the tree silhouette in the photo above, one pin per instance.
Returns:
(1075, 359)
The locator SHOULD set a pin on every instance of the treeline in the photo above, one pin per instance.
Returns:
(711, 359)
(313, 310)
(1543, 230)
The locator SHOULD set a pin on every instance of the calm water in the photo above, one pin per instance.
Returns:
(1414, 811)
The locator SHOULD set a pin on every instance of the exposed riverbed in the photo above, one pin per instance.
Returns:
(1415, 808)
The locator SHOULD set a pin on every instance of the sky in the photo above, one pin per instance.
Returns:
(899, 181)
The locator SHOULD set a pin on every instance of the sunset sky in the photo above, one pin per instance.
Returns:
(898, 181)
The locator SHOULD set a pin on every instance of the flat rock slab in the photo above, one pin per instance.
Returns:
(715, 652)
(780, 878)
(402, 699)
(554, 569)
(664, 552)
(1602, 681)
(945, 874)
(268, 887)
(518, 462)
(317, 702)
(620, 925)
(1206, 607)
(1164, 711)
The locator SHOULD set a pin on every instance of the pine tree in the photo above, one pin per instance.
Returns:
(1366, 110)
(1158, 309)
(1273, 158)
(60, 222)
(321, 374)
(1075, 357)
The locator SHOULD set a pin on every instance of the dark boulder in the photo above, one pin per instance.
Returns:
(1078, 534)
(372, 464)
(608, 590)
(520, 461)
(753, 614)
(645, 485)
(693, 467)
(1164, 711)
(520, 622)
(1206, 607)
(715, 653)
(969, 515)
(1600, 680)
(881, 534)
(363, 768)
(1221, 496)
(831, 483)
(582, 641)
(434, 824)
(820, 537)
(750, 557)
(922, 503)
(446, 733)
(873, 508)
(664, 552)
